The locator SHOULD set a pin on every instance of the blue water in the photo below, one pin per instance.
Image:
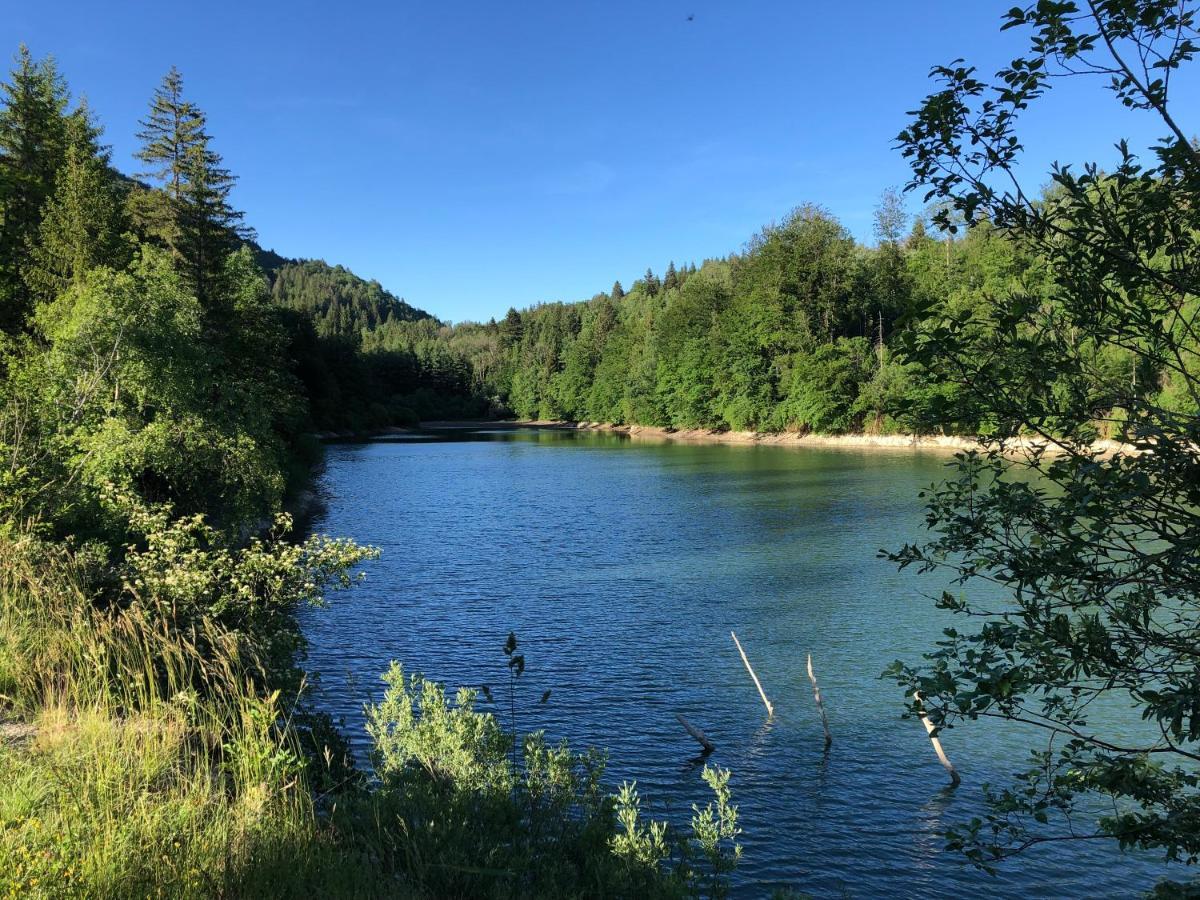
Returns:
(622, 566)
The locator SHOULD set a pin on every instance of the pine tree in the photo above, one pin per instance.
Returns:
(191, 215)
(33, 140)
(617, 292)
(82, 223)
(653, 285)
(671, 280)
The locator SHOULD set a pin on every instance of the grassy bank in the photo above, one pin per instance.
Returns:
(145, 751)
(152, 763)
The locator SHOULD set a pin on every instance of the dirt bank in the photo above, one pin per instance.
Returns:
(945, 444)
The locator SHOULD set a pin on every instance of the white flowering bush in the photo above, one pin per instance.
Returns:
(185, 568)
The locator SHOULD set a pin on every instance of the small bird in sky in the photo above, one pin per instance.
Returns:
(692, 17)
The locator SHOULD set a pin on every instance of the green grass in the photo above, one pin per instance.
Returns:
(158, 765)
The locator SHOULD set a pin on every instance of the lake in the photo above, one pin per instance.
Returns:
(622, 566)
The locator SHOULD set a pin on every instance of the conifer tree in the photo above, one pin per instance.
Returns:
(653, 285)
(82, 223)
(33, 138)
(210, 229)
(173, 127)
(512, 328)
(191, 215)
(617, 292)
(671, 280)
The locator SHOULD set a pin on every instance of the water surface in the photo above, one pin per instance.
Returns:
(623, 566)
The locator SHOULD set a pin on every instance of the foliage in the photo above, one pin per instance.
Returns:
(151, 763)
(1078, 565)
(129, 388)
(472, 822)
(800, 331)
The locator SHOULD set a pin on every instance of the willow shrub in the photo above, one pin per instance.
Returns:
(463, 815)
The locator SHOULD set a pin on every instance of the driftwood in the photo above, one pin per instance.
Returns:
(955, 780)
(820, 706)
(695, 732)
(750, 669)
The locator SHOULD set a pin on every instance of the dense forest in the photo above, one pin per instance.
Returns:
(332, 317)
(798, 332)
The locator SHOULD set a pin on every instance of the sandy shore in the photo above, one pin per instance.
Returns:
(900, 442)
(789, 439)
(906, 442)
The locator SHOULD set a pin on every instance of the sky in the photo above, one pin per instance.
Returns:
(473, 156)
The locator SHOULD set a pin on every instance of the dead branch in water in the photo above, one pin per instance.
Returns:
(750, 669)
(955, 780)
(820, 706)
(695, 732)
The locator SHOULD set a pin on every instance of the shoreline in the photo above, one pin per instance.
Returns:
(891, 442)
(789, 439)
(899, 442)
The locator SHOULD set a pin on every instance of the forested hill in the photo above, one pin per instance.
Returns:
(803, 329)
(340, 303)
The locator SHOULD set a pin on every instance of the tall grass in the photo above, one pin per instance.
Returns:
(157, 766)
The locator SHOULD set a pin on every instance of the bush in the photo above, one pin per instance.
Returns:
(466, 815)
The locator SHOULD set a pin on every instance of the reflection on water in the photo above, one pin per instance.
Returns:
(623, 566)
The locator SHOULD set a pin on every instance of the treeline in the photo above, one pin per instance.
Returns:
(353, 380)
(804, 330)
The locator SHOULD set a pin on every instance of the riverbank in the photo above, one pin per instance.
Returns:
(908, 442)
(901, 442)
(795, 439)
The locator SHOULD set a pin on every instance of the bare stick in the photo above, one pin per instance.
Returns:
(955, 780)
(750, 669)
(696, 733)
(820, 706)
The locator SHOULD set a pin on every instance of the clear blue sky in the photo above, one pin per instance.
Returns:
(477, 155)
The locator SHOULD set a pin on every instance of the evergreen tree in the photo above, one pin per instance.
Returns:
(512, 328)
(33, 140)
(191, 215)
(82, 223)
(671, 280)
(210, 229)
(173, 127)
(652, 284)
(617, 292)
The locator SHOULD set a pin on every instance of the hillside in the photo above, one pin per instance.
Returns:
(340, 303)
